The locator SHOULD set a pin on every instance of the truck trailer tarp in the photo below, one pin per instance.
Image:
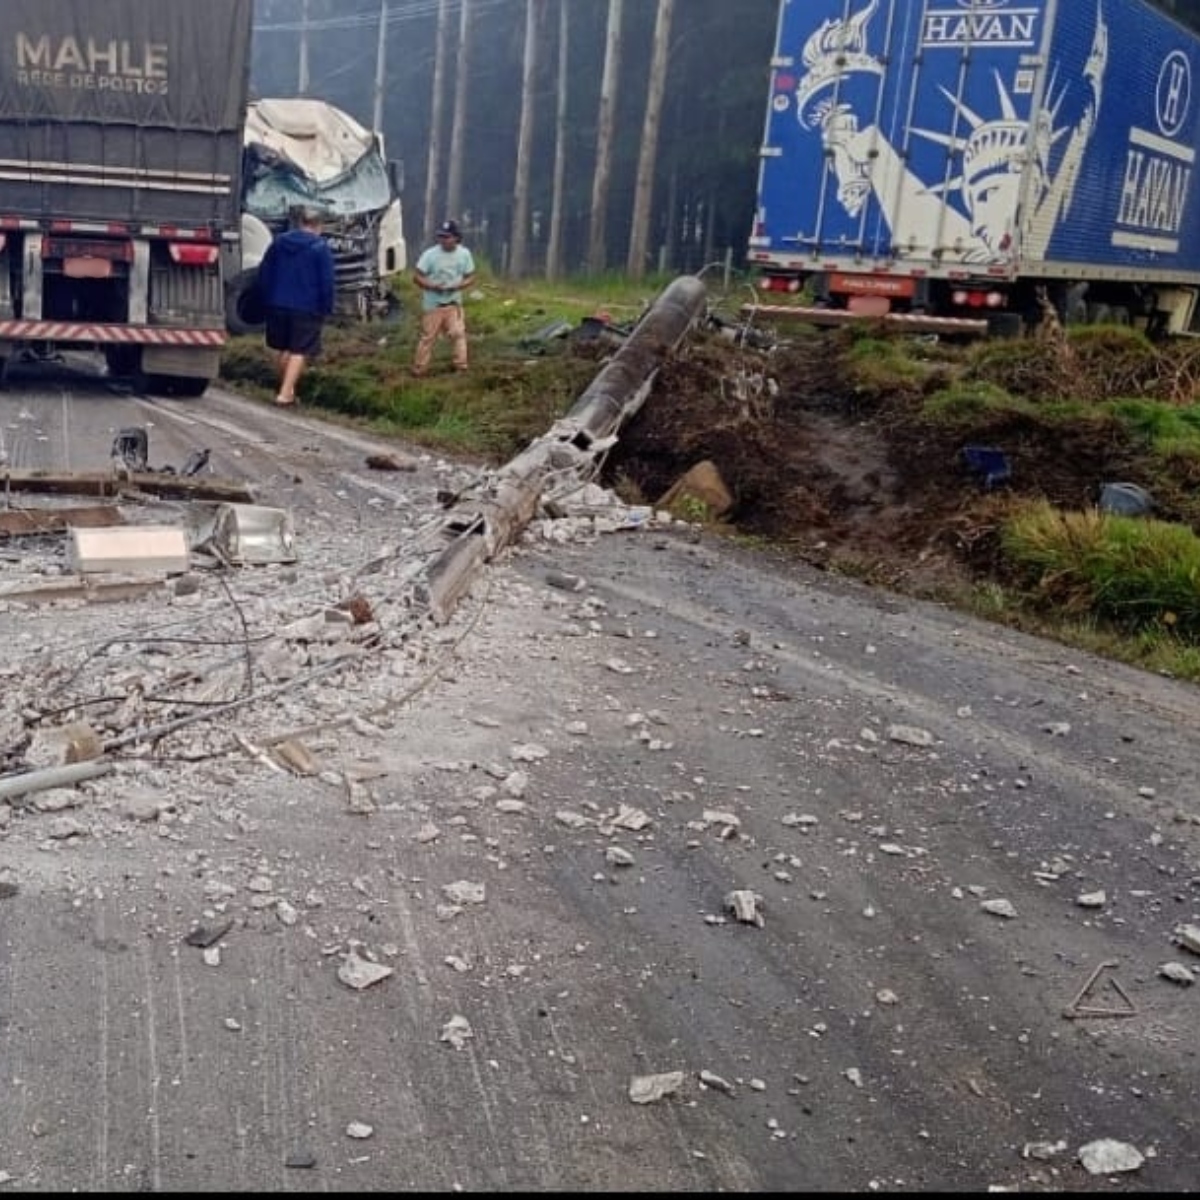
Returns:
(123, 110)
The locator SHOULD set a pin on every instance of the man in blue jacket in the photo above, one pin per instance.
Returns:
(296, 279)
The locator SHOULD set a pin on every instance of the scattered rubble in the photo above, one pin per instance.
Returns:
(649, 1089)
(1109, 1157)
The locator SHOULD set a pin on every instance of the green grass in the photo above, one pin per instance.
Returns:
(1142, 575)
(1166, 429)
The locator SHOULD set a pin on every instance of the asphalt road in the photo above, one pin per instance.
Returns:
(610, 764)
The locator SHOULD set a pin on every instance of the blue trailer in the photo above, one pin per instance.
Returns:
(978, 160)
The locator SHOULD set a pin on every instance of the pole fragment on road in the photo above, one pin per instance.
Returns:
(484, 525)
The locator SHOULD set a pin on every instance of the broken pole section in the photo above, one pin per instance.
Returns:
(482, 527)
(105, 484)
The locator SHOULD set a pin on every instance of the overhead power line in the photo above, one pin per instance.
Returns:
(413, 10)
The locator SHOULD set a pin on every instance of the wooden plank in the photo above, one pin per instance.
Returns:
(25, 522)
(103, 483)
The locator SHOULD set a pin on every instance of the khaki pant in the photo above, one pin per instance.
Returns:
(447, 321)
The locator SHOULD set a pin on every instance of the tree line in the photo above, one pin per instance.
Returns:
(565, 135)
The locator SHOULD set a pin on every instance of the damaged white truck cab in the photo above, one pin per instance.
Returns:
(305, 153)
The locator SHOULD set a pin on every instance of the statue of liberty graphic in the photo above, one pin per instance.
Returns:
(1001, 153)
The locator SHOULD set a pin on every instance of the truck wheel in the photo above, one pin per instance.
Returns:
(244, 312)
(186, 386)
(1005, 325)
(122, 361)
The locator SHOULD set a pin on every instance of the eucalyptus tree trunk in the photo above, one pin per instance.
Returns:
(643, 201)
(597, 245)
(518, 263)
(554, 248)
(437, 113)
(458, 133)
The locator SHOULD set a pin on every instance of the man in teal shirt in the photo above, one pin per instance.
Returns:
(443, 272)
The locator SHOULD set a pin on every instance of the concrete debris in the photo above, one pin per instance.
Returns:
(716, 1083)
(57, 800)
(628, 817)
(572, 820)
(529, 752)
(465, 892)
(1092, 900)
(649, 1089)
(566, 582)
(359, 1129)
(1177, 973)
(909, 735)
(297, 758)
(359, 973)
(999, 908)
(515, 784)
(1042, 1151)
(700, 494)
(457, 1032)
(204, 936)
(617, 856)
(62, 828)
(730, 823)
(1189, 937)
(1109, 1157)
(744, 906)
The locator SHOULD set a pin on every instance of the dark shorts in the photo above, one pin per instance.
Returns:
(295, 332)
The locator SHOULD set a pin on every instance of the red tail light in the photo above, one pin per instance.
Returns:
(190, 254)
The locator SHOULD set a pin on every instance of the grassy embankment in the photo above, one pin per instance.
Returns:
(1096, 399)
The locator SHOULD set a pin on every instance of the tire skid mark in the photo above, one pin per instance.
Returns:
(153, 1078)
(103, 1125)
(420, 1018)
(534, 1113)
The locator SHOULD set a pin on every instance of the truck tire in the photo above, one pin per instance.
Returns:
(186, 386)
(244, 312)
(122, 361)
(1005, 325)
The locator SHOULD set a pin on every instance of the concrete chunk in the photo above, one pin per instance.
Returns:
(129, 549)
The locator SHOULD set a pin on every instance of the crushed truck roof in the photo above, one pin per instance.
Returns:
(322, 141)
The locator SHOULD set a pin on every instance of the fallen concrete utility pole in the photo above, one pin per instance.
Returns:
(485, 524)
(102, 483)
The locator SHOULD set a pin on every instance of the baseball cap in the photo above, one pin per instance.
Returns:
(448, 229)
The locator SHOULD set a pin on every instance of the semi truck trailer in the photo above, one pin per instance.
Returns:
(303, 153)
(973, 162)
(120, 154)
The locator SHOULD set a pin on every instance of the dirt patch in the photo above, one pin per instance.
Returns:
(855, 478)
